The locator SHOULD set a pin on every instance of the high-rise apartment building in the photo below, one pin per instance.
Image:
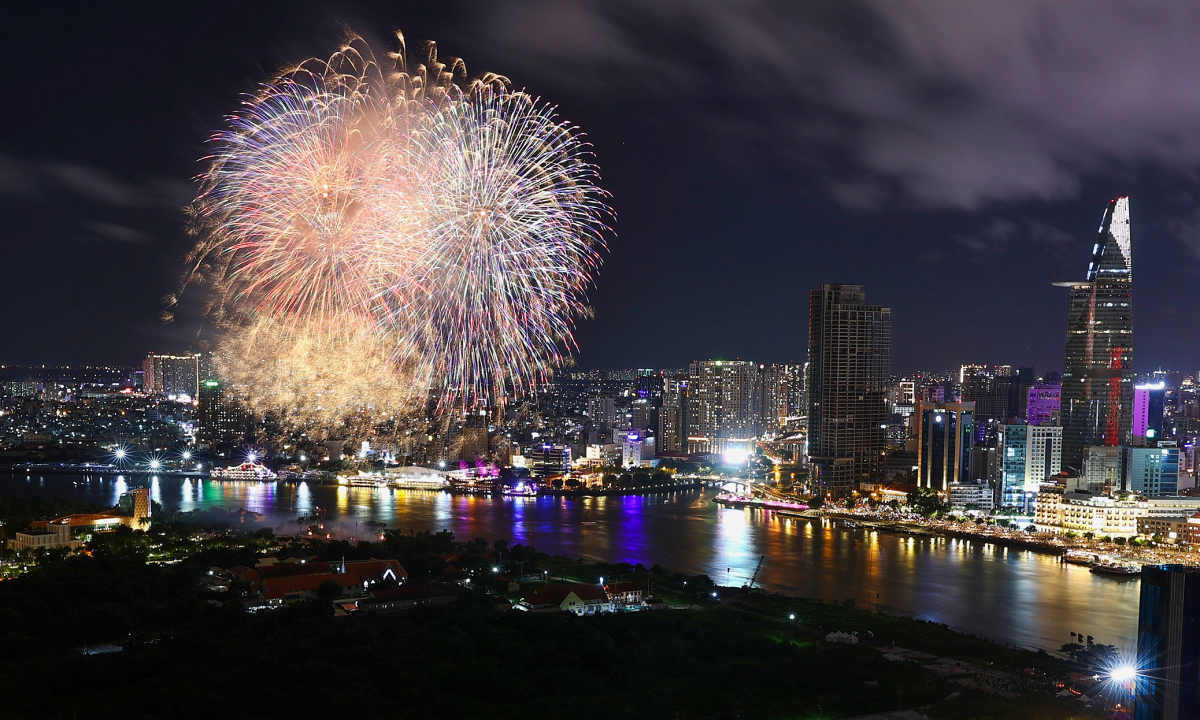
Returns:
(1097, 393)
(171, 375)
(849, 360)
(221, 420)
(727, 397)
(775, 381)
(1028, 455)
(945, 434)
(672, 427)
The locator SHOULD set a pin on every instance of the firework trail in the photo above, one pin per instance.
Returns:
(399, 236)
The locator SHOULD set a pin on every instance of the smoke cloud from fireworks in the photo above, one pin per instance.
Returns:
(375, 238)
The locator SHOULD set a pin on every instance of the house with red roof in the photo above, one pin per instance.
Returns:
(581, 599)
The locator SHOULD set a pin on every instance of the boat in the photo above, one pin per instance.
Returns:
(246, 471)
(521, 489)
(1113, 569)
(361, 480)
(1079, 557)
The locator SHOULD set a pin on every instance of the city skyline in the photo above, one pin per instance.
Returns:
(707, 268)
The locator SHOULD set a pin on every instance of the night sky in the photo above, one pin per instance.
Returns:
(954, 158)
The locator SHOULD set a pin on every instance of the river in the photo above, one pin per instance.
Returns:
(1014, 596)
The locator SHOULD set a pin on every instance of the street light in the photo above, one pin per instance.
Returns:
(792, 616)
(495, 569)
(187, 454)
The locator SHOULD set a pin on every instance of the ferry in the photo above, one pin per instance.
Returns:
(248, 470)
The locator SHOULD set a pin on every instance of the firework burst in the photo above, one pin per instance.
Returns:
(433, 237)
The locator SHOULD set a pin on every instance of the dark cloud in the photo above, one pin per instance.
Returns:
(997, 236)
(944, 103)
(119, 233)
(42, 179)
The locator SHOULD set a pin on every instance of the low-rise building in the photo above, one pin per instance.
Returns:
(581, 599)
(1083, 512)
(1169, 530)
(54, 537)
(971, 496)
(624, 595)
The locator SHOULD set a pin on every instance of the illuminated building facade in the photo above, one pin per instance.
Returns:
(944, 441)
(1149, 400)
(1029, 454)
(1097, 394)
(849, 360)
(171, 375)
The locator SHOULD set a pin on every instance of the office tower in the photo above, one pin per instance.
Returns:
(1029, 454)
(1168, 647)
(1097, 394)
(1043, 403)
(1150, 470)
(849, 359)
(548, 460)
(1148, 406)
(999, 392)
(1101, 469)
(944, 442)
(173, 376)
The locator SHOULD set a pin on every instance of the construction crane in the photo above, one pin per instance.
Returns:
(756, 569)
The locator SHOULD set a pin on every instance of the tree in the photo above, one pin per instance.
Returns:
(927, 502)
(329, 590)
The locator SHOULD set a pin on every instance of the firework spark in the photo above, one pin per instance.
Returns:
(430, 236)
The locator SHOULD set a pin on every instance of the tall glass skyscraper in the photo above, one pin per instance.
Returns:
(1097, 391)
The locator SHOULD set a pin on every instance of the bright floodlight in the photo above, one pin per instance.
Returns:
(253, 457)
(792, 616)
(154, 464)
(1123, 673)
(187, 454)
(735, 456)
(120, 453)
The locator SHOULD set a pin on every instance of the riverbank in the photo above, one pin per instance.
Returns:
(740, 654)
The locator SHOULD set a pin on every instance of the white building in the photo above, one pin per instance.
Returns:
(971, 496)
(1029, 454)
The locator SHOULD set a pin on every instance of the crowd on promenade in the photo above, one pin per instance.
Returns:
(1145, 553)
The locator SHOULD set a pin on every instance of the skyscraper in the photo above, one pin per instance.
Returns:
(1097, 394)
(1168, 681)
(849, 359)
(944, 441)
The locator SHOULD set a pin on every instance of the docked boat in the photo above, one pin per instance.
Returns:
(1113, 569)
(521, 489)
(1079, 557)
(246, 471)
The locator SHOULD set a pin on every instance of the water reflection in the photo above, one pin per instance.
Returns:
(999, 592)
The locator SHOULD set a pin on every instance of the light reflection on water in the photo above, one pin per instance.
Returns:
(999, 592)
